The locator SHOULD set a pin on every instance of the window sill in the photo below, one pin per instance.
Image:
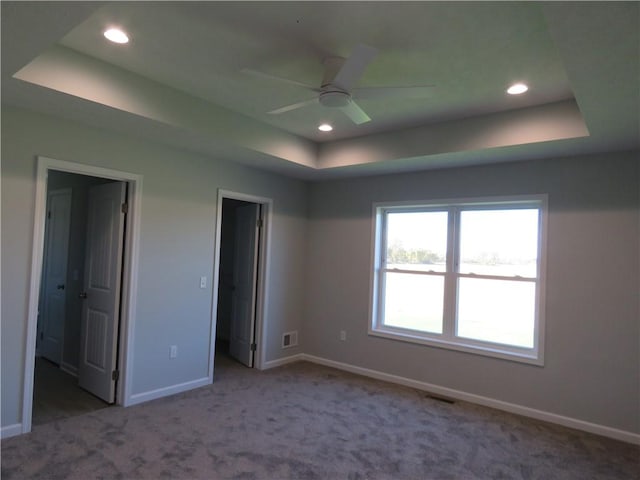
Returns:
(460, 345)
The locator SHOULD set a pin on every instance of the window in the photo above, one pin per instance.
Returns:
(466, 275)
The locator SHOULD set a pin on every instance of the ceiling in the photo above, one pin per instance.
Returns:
(180, 80)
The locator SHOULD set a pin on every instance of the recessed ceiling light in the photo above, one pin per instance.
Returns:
(325, 127)
(517, 89)
(116, 35)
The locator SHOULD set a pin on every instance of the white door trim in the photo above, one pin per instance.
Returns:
(262, 293)
(130, 274)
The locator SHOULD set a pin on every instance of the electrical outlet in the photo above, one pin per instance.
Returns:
(343, 335)
(173, 351)
(203, 282)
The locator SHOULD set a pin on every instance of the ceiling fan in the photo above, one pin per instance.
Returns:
(338, 89)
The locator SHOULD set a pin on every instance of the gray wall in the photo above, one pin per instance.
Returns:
(320, 268)
(592, 364)
(177, 246)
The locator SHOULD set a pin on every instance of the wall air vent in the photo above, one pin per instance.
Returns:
(290, 339)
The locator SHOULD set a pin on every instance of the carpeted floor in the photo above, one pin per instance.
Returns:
(304, 421)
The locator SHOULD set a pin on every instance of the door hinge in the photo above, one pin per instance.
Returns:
(125, 208)
(49, 214)
(253, 347)
(259, 223)
(115, 375)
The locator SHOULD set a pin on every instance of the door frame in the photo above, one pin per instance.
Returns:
(262, 290)
(128, 293)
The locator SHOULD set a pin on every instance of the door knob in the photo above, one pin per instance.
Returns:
(82, 295)
(60, 287)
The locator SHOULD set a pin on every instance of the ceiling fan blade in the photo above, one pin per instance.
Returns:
(293, 106)
(355, 113)
(274, 78)
(354, 67)
(423, 91)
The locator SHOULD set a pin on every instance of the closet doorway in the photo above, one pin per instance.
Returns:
(241, 263)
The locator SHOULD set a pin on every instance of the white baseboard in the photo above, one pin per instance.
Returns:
(603, 430)
(11, 430)
(183, 387)
(283, 361)
(70, 369)
(166, 391)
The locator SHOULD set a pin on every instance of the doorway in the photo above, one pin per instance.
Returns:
(240, 272)
(83, 240)
(84, 266)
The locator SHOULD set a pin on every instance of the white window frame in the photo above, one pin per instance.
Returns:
(448, 339)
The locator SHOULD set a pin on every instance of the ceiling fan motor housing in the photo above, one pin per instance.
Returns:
(335, 98)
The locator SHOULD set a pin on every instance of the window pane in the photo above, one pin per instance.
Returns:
(498, 311)
(417, 241)
(414, 301)
(499, 242)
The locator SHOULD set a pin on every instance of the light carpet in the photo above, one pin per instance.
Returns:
(304, 421)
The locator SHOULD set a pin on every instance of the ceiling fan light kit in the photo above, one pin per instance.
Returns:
(334, 98)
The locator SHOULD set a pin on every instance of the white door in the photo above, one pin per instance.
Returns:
(53, 290)
(102, 278)
(245, 269)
